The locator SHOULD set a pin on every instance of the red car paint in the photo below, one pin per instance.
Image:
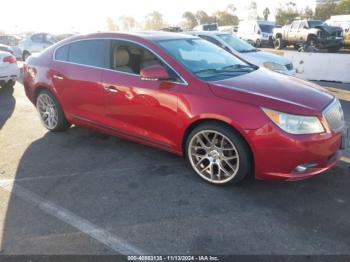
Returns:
(161, 113)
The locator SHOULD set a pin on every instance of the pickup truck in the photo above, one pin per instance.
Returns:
(312, 33)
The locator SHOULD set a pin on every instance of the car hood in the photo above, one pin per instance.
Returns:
(273, 90)
(260, 57)
(329, 29)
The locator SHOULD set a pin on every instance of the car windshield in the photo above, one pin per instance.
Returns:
(51, 39)
(266, 28)
(205, 60)
(237, 44)
(314, 23)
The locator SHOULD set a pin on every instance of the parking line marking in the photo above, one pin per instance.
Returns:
(115, 243)
(89, 172)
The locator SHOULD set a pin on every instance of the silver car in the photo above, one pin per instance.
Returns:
(35, 43)
(247, 52)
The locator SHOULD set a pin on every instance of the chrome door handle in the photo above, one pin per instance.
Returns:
(57, 77)
(111, 89)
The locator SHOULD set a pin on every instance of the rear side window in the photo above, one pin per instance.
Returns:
(88, 52)
(62, 53)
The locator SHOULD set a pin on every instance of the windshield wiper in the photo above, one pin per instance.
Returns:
(208, 70)
(238, 67)
(249, 51)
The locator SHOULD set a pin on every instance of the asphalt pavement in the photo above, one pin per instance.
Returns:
(82, 192)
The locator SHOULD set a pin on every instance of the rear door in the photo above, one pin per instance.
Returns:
(77, 75)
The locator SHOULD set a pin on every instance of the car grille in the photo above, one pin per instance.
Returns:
(334, 116)
(289, 66)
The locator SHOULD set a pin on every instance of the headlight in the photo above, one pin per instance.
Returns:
(274, 66)
(295, 124)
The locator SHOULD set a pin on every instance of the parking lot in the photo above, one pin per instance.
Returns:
(82, 192)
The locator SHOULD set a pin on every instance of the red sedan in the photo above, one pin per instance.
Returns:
(185, 95)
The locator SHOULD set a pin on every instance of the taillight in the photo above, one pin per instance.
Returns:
(10, 59)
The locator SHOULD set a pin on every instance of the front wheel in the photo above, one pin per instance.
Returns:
(218, 154)
(50, 112)
(258, 43)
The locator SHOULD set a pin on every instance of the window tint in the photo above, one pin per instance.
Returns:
(295, 25)
(88, 52)
(132, 58)
(62, 53)
(37, 38)
(211, 39)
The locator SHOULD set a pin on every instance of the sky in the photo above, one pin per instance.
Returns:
(65, 16)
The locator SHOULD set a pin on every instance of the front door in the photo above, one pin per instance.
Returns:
(141, 109)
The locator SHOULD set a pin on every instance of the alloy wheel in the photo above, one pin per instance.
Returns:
(47, 110)
(213, 156)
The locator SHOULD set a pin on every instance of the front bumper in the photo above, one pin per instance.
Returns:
(278, 154)
(335, 42)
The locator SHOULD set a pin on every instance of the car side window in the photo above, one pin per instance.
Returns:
(88, 52)
(131, 58)
(295, 25)
(61, 53)
(37, 38)
(211, 39)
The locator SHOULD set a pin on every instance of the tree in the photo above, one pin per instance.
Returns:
(343, 7)
(127, 22)
(154, 21)
(231, 8)
(286, 15)
(224, 18)
(307, 13)
(190, 20)
(111, 26)
(204, 18)
(266, 13)
(326, 10)
(252, 10)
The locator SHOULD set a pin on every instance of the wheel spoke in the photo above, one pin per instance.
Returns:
(213, 156)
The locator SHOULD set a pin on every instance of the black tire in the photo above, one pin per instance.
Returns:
(9, 84)
(25, 55)
(258, 43)
(312, 41)
(62, 122)
(278, 43)
(245, 164)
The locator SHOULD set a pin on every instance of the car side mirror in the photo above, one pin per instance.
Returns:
(347, 30)
(154, 73)
(259, 32)
(305, 27)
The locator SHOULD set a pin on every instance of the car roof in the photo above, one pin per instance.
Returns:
(209, 33)
(149, 35)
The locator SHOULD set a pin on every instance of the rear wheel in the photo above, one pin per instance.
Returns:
(218, 154)
(50, 112)
(278, 44)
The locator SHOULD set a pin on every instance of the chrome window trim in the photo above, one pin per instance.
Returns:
(184, 82)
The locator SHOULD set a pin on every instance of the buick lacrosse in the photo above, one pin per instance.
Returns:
(180, 93)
